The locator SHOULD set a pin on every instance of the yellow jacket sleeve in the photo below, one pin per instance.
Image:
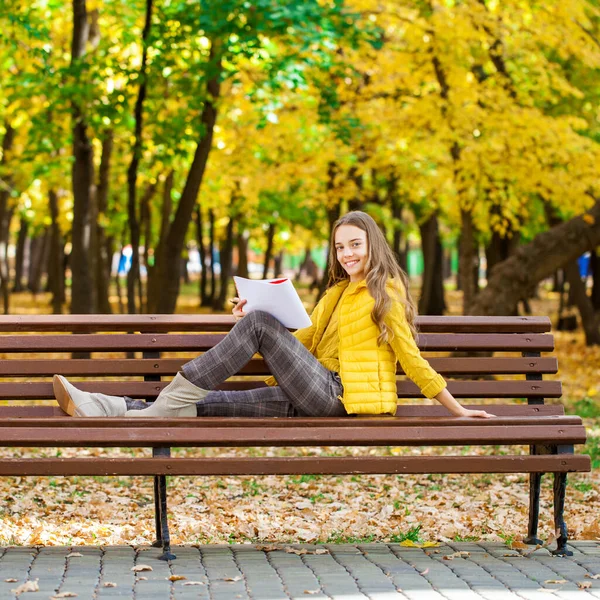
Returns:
(409, 355)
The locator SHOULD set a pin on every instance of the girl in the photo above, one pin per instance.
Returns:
(344, 363)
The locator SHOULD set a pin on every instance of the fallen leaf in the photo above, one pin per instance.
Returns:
(138, 568)
(270, 548)
(64, 595)
(519, 545)
(557, 581)
(13, 580)
(193, 583)
(459, 554)
(592, 576)
(424, 572)
(321, 551)
(514, 555)
(584, 585)
(236, 578)
(72, 554)
(142, 578)
(312, 591)
(448, 557)
(298, 551)
(409, 544)
(28, 586)
(110, 584)
(177, 578)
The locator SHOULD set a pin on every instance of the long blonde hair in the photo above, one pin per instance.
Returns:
(381, 266)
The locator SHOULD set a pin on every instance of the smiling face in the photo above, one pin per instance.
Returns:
(352, 251)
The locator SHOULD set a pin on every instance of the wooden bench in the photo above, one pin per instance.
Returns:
(138, 361)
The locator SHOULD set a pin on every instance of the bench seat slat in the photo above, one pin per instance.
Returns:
(165, 323)
(34, 390)
(525, 342)
(406, 410)
(296, 466)
(170, 366)
(311, 422)
(292, 436)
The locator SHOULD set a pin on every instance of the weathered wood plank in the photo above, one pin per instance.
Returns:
(175, 342)
(164, 323)
(170, 366)
(295, 466)
(292, 436)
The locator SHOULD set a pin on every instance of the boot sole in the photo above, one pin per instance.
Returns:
(62, 396)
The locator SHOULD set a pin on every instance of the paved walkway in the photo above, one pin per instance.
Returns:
(461, 571)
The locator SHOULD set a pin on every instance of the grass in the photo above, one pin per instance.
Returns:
(587, 408)
(413, 535)
(592, 447)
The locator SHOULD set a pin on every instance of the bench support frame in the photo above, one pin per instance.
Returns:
(163, 537)
(560, 491)
(535, 479)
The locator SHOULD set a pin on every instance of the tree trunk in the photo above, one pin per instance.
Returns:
(469, 261)
(167, 276)
(226, 257)
(103, 257)
(146, 230)
(56, 272)
(333, 214)
(513, 279)
(165, 222)
(133, 275)
(211, 249)
(589, 319)
(20, 255)
(83, 289)
(595, 270)
(242, 247)
(40, 247)
(7, 143)
(4, 264)
(278, 265)
(396, 206)
(499, 249)
(202, 251)
(431, 301)
(269, 250)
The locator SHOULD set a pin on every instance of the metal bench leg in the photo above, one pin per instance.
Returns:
(535, 480)
(163, 537)
(560, 491)
(158, 542)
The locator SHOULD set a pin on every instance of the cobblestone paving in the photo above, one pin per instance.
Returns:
(461, 571)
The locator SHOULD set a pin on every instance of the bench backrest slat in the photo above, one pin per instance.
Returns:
(170, 366)
(524, 342)
(15, 413)
(165, 323)
(406, 389)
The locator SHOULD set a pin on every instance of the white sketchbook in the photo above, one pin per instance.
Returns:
(278, 297)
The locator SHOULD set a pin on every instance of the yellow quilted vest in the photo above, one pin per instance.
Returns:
(368, 371)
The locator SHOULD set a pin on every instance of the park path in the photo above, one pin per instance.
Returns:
(457, 571)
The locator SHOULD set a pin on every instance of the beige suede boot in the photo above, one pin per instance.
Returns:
(78, 403)
(178, 399)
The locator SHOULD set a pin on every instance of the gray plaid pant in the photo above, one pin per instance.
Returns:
(306, 387)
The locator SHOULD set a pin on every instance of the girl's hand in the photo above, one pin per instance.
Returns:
(237, 309)
(476, 413)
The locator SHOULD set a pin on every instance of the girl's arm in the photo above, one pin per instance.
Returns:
(446, 399)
